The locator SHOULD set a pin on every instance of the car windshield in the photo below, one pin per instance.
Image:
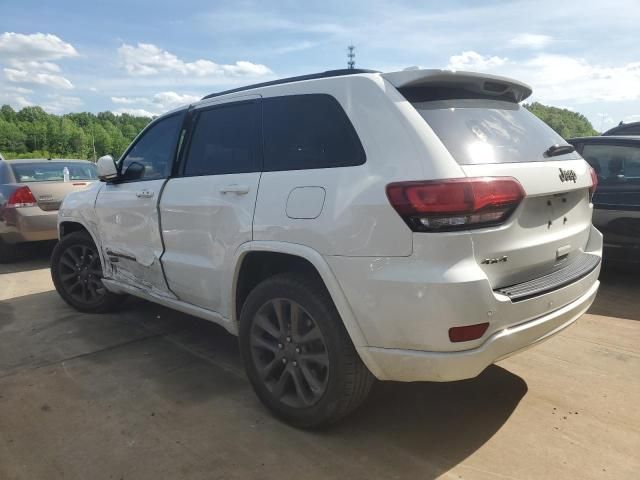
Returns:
(53, 171)
(479, 131)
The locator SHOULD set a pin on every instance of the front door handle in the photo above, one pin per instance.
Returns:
(237, 189)
(144, 194)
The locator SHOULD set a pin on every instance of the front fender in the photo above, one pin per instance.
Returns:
(79, 208)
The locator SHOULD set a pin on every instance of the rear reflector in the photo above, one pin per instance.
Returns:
(468, 333)
(21, 197)
(594, 182)
(456, 204)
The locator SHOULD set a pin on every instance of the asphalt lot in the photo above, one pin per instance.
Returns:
(148, 393)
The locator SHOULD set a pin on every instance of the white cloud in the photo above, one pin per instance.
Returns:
(18, 90)
(128, 100)
(36, 46)
(136, 112)
(148, 59)
(157, 104)
(38, 78)
(531, 40)
(296, 47)
(61, 104)
(168, 100)
(560, 78)
(34, 65)
(471, 60)
(17, 101)
(28, 59)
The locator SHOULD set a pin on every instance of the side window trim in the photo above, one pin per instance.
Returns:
(194, 119)
(141, 135)
(183, 143)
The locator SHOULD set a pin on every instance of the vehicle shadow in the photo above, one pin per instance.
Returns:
(618, 295)
(32, 256)
(437, 424)
(148, 355)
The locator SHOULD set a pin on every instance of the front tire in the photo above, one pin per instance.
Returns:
(297, 353)
(77, 275)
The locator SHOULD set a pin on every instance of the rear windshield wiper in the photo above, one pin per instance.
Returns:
(555, 150)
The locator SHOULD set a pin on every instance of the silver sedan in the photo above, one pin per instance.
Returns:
(31, 192)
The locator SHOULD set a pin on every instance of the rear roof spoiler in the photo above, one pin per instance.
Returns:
(476, 82)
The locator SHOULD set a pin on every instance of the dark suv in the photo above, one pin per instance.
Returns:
(616, 160)
(624, 129)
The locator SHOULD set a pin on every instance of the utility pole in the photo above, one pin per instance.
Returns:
(93, 143)
(351, 57)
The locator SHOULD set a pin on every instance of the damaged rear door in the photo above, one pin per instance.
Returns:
(127, 210)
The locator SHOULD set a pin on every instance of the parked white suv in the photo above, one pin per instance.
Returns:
(412, 226)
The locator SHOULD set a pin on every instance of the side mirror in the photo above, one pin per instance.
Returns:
(107, 170)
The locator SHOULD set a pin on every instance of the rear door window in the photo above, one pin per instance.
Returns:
(226, 139)
(614, 164)
(481, 130)
(53, 171)
(308, 131)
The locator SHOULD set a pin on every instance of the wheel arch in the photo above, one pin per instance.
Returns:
(70, 226)
(299, 257)
(66, 227)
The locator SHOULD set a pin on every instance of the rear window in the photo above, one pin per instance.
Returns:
(53, 171)
(479, 131)
(308, 131)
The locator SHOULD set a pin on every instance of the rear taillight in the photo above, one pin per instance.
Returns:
(594, 182)
(457, 204)
(21, 197)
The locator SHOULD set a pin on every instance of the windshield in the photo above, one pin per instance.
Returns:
(53, 171)
(478, 131)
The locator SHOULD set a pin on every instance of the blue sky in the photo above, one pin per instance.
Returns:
(146, 56)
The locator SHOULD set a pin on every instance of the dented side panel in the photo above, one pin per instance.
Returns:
(129, 230)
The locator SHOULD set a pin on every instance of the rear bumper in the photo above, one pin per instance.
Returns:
(30, 224)
(412, 365)
(405, 306)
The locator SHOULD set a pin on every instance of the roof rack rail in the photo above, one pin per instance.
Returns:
(311, 76)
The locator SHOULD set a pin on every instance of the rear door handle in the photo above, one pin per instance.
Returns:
(144, 194)
(237, 189)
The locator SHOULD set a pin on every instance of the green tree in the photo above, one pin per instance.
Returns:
(32, 132)
(566, 123)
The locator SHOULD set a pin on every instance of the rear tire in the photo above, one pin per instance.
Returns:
(297, 353)
(77, 275)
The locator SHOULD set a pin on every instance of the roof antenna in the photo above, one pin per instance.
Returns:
(351, 57)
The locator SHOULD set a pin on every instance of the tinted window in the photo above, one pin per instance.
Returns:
(480, 131)
(308, 131)
(156, 148)
(226, 139)
(614, 164)
(53, 171)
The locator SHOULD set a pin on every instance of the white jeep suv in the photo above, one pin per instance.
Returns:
(350, 225)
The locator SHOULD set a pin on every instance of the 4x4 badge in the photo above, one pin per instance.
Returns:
(489, 261)
(568, 176)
